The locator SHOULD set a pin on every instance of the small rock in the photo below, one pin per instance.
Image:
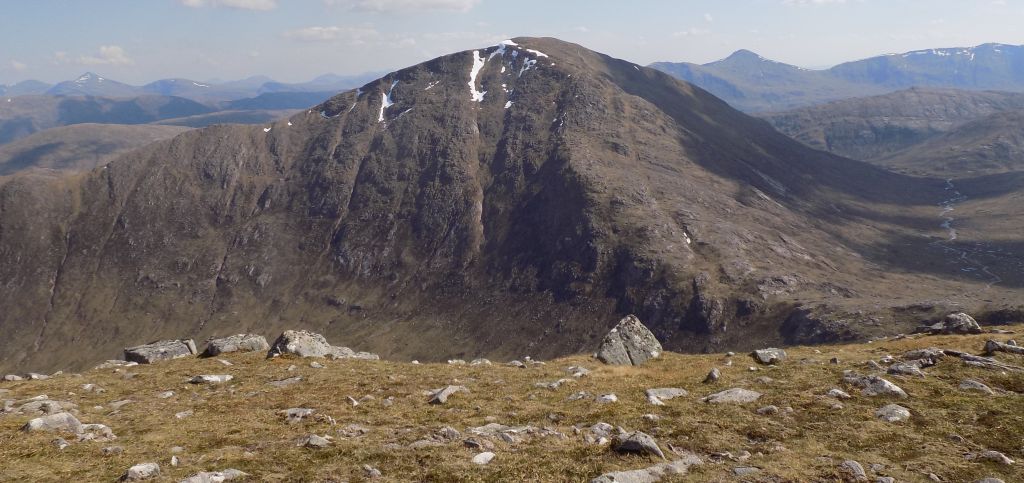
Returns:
(637, 442)
(839, 394)
(215, 476)
(480, 362)
(972, 385)
(294, 415)
(12, 378)
(745, 470)
(211, 379)
(142, 471)
(885, 479)
(286, 382)
(483, 458)
(993, 456)
(316, 365)
(314, 441)
(659, 395)
(834, 361)
(112, 450)
(184, 414)
(456, 362)
(174, 461)
(652, 474)
(440, 396)
(768, 410)
(906, 369)
(873, 385)
(371, 472)
(853, 471)
(713, 376)
(893, 413)
(578, 396)
(517, 364)
(607, 398)
(225, 362)
(734, 395)
(165, 395)
(93, 388)
(60, 443)
(578, 371)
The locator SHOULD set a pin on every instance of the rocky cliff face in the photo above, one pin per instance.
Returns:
(509, 200)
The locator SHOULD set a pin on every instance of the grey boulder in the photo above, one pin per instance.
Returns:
(637, 442)
(657, 396)
(141, 471)
(893, 413)
(735, 395)
(308, 344)
(236, 343)
(769, 356)
(54, 422)
(958, 323)
(440, 396)
(629, 343)
(163, 350)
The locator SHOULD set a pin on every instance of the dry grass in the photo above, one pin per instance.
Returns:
(236, 425)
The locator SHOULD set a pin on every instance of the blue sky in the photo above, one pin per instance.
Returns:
(138, 41)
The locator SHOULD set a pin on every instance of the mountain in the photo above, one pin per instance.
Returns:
(872, 128)
(91, 84)
(25, 88)
(25, 115)
(79, 147)
(516, 199)
(755, 84)
(990, 145)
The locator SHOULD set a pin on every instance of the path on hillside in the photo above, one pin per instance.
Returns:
(962, 255)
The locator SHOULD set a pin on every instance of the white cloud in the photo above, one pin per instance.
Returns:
(708, 18)
(108, 55)
(402, 6)
(352, 35)
(18, 66)
(239, 4)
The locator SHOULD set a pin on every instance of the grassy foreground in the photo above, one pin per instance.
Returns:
(237, 425)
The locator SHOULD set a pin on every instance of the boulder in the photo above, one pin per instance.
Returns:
(893, 413)
(236, 343)
(141, 471)
(911, 368)
(54, 422)
(991, 456)
(991, 347)
(873, 385)
(925, 357)
(637, 442)
(215, 476)
(958, 323)
(308, 344)
(713, 376)
(769, 356)
(294, 415)
(735, 395)
(314, 441)
(629, 343)
(163, 350)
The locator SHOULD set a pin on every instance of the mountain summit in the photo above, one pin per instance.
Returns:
(509, 200)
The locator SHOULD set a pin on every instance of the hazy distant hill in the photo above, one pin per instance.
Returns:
(874, 127)
(755, 84)
(79, 147)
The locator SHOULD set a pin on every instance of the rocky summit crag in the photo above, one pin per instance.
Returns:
(518, 198)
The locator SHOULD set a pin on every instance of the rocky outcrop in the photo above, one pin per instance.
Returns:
(236, 343)
(163, 350)
(629, 343)
(308, 344)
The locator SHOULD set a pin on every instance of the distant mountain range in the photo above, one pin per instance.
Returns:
(755, 84)
(92, 84)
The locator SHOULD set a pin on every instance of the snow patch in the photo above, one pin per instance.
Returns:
(431, 85)
(478, 63)
(386, 101)
(508, 104)
(537, 53)
(266, 129)
(526, 66)
(289, 123)
(199, 85)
